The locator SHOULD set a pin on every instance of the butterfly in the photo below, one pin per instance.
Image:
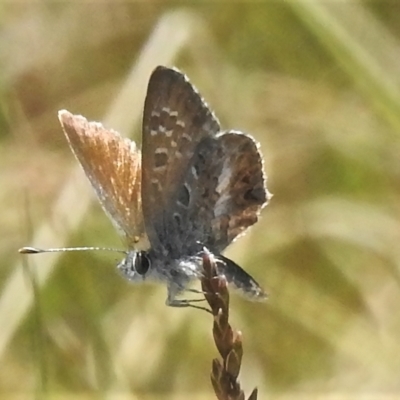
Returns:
(191, 187)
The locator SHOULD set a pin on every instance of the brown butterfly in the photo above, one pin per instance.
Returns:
(192, 187)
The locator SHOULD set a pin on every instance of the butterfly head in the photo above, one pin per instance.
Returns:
(157, 266)
(136, 266)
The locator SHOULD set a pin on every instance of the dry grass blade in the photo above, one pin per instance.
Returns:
(229, 342)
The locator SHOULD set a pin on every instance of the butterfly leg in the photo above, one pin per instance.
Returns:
(172, 301)
(186, 303)
(197, 291)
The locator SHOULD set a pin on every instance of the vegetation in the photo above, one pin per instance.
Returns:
(317, 83)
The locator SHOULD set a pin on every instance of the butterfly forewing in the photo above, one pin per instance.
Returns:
(113, 166)
(175, 120)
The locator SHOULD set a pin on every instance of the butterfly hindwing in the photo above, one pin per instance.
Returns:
(223, 192)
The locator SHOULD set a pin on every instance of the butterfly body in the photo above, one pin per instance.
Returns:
(190, 188)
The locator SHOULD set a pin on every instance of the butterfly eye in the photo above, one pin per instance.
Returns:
(142, 263)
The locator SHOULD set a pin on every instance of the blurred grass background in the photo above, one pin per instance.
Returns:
(317, 83)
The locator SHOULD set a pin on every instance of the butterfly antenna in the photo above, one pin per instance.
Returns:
(35, 250)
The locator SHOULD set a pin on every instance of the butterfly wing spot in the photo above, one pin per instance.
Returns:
(184, 146)
(255, 195)
(184, 196)
(195, 172)
(156, 185)
(169, 119)
(178, 220)
(160, 158)
(155, 125)
(186, 137)
(224, 179)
